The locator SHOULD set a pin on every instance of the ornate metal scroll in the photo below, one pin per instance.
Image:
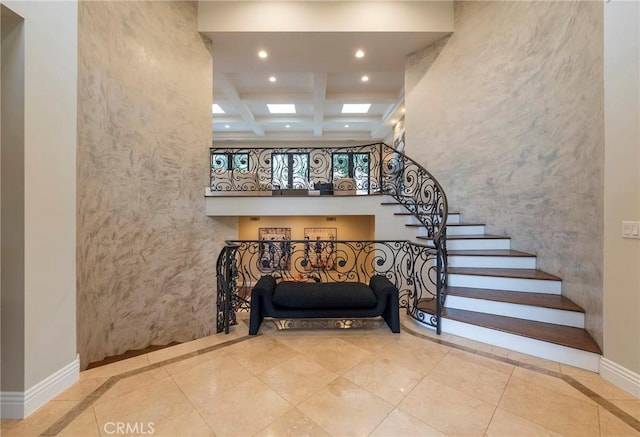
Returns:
(410, 266)
(374, 169)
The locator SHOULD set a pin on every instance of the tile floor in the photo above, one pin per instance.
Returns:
(335, 382)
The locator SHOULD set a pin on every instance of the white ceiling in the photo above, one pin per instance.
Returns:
(316, 71)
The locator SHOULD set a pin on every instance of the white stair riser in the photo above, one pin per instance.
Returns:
(527, 312)
(453, 218)
(496, 262)
(465, 230)
(550, 351)
(413, 220)
(509, 284)
(479, 244)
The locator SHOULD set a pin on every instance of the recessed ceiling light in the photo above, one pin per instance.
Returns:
(280, 108)
(356, 108)
(226, 126)
(216, 109)
(365, 78)
(346, 125)
(272, 79)
(262, 54)
(287, 126)
(359, 53)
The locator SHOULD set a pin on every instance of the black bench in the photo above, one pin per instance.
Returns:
(298, 300)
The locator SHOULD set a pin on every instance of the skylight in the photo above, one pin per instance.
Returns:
(281, 108)
(216, 109)
(356, 108)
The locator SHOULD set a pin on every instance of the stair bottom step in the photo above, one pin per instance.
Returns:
(576, 338)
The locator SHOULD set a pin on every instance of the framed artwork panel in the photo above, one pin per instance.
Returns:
(275, 249)
(320, 248)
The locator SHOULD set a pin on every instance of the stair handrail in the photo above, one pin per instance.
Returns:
(415, 188)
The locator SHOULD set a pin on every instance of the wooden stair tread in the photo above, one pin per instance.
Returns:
(489, 252)
(478, 237)
(576, 338)
(552, 301)
(504, 273)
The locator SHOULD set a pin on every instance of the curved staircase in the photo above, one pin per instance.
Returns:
(496, 295)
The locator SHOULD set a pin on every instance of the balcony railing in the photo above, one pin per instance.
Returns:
(419, 271)
(371, 168)
(412, 267)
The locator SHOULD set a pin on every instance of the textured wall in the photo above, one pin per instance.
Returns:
(146, 250)
(508, 115)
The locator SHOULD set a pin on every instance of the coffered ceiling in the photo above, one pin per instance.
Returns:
(318, 72)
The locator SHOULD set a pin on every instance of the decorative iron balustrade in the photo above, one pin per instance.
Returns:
(372, 169)
(266, 169)
(412, 267)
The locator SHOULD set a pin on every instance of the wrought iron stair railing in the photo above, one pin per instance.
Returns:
(375, 169)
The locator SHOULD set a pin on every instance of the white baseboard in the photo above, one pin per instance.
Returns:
(18, 405)
(620, 376)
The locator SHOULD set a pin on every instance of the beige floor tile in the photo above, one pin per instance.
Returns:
(132, 383)
(418, 359)
(473, 379)
(39, 420)
(492, 362)
(601, 386)
(526, 359)
(293, 424)
(211, 377)
(371, 343)
(550, 408)
(506, 424)
(244, 410)
(150, 404)
(551, 382)
(332, 353)
(5, 424)
(399, 423)
(81, 389)
(85, 425)
(117, 367)
(234, 333)
(190, 363)
(298, 378)
(346, 409)
(384, 378)
(176, 351)
(629, 406)
(447, 409)
(611, 426)
(261, 353)
(189, 424)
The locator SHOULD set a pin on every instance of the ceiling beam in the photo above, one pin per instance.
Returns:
(233, 97)
(369, 97)
(319, 96)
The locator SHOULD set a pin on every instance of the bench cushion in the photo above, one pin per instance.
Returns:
(323, 295)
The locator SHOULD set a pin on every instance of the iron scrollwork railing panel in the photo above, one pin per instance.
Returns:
(416, 189)
(408, 265)
(263, 169)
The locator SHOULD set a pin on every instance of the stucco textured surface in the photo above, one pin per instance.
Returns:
(146, 251)
(507, 113)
